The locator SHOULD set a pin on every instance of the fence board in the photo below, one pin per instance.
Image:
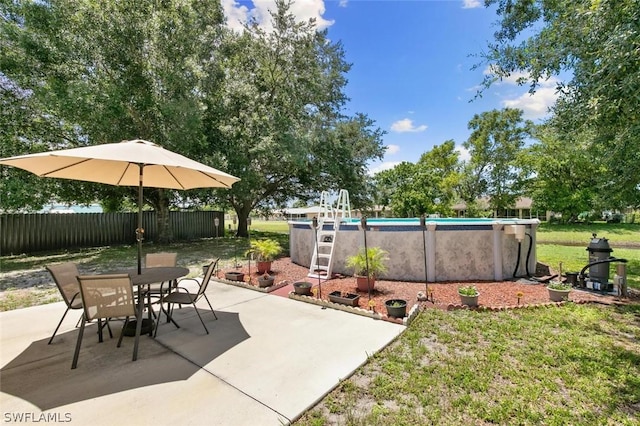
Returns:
(30, 233)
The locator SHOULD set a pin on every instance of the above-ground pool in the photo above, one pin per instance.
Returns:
(455, 249)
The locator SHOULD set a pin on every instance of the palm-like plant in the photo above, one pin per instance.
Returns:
(374, 260)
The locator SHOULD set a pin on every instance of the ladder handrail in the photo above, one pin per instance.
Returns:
(334, 217)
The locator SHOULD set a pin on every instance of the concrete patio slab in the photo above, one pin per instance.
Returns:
(266, 360)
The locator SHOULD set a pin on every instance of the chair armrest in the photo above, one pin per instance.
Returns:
(74, 298)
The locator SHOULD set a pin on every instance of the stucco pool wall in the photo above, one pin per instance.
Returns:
(456, 250)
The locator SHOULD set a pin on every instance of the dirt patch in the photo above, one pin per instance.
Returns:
(442, 295)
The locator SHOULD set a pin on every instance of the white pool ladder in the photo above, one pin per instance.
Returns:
(322, 259)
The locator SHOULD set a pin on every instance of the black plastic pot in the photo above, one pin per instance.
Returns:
(234, 276)
(396, 308)
(302, 288)
(265, 281)
(348, 299)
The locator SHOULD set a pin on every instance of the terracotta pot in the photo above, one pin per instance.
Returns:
(263, 267)
(361, 282)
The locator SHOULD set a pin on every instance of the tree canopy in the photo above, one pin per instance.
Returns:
(426, 187)
(264, 106)
(494, 145)
(276, 119)
(595, 42)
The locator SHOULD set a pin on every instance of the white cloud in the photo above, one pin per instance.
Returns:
(386, 165)
(303, 10)
(471, 4)
(406, 125)
(343, 3)
(534, 106)
(236, 15)
(393, 149)
(463, 153)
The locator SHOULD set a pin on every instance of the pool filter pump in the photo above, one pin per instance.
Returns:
(599, 250)
(599, 260)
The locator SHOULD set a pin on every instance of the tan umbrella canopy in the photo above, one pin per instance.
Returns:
(128, 163)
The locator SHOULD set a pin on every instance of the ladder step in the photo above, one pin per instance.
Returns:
(319, 268)
(321, 276)
(324, 255)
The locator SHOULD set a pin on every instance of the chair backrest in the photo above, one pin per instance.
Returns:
(66, 277)
(153, 260)
(107, 296)
(207, 277)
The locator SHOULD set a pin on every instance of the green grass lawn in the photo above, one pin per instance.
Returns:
(279, 226)
(616, 233)
(578, 365)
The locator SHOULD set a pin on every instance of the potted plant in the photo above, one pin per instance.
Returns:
(302, 288)
(265, 280)
(396, 308)
(265, 252)
(558, 291)
(468, 295)
(374, 260)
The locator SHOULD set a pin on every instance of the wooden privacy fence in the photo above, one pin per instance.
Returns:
(29, 233)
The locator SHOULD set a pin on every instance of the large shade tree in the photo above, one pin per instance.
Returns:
(276, 121)
(495, 144)
(101, 72)
(565, 174)
(426, 187)
(595, 43)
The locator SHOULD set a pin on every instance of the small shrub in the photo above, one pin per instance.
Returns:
(468, 290)
(555, 285)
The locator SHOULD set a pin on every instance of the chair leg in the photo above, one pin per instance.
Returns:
(155, 332)
(168, 313)
(210, 307)
(100, 330)
(139, 314)
(74, 364)
(199, 316)
(137, 340)
(126, 321)
(109, 328)
(59, 324)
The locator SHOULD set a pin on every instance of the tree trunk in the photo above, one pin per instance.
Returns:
(165, 232)
(243, 211)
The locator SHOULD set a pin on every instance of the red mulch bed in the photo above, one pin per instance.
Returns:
(443, 295)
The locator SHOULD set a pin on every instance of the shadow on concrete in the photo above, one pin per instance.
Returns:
(42, 373)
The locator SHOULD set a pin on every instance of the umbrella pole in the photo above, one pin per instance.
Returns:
(139, 230)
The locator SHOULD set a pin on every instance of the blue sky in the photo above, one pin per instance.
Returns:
(412, 66)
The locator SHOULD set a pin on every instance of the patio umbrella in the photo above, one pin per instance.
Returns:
(128, 163)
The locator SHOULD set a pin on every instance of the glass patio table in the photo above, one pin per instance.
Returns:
(147, 277)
